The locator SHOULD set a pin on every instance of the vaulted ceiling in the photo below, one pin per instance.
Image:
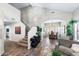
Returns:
(65, 7)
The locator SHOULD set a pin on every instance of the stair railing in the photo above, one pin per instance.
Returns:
(31, 33)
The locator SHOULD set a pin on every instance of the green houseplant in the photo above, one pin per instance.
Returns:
(56, 53)
(70, 28)
(39, 31)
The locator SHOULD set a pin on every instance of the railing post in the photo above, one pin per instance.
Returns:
(31, 33)
(29, 41)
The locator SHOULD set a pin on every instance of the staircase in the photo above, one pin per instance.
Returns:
(23, 42)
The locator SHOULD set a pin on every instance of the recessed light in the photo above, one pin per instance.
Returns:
(52, 12)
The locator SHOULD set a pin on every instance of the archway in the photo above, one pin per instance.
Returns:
(58, 27)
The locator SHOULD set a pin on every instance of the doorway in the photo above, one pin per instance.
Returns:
(7, 33)
(58, 27)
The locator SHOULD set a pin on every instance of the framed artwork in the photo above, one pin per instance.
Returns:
(18, 30)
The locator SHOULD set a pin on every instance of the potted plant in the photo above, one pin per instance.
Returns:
(70, 28)
(56, 53)
(39, 31)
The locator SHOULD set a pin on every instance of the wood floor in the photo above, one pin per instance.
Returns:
(13, 49)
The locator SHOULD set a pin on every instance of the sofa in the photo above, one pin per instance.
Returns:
(69, 50)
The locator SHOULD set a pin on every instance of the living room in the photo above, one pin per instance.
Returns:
(53, 29)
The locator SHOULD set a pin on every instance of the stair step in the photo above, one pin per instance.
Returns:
(23, 41)
(22, 44)
(26, 36)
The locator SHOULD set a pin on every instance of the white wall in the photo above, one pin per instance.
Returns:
(1, 33)
(76, 28)
(17, 37)
(1, 38)
(12, 35)
(76, 14)
(8, 11)
(36, 15)
(32, 15)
